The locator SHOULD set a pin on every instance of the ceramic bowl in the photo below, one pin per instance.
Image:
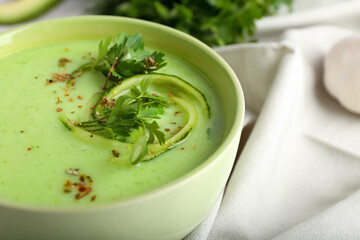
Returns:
(168, 212)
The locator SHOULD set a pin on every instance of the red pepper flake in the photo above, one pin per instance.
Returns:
(170, 95)
(176, 113)
(72, 112)
(80, 106)
(87, 191)
(59, 109)
(70, 99)
(29, 148)
(116, 153)
(92, 107)
(66, 95)
(93, 198)
(167, 129)
(154, 94)
(54, 92)
(82, 187)
(62, 77)
(182, 148)
(80, 97)
(22, 131)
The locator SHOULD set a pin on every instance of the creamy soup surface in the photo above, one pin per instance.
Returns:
(36, 149)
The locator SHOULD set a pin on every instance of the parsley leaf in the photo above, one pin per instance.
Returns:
(215, 22)
(131, 119)
(122, 57)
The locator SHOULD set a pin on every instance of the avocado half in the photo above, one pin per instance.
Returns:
(17, 11)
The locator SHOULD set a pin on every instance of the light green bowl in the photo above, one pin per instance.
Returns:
(168, 212)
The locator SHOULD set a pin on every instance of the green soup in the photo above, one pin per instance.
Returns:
(36, 149)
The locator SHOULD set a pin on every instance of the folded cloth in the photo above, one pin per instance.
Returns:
(298, 175)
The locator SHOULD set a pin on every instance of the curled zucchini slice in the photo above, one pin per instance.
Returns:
(180, 95)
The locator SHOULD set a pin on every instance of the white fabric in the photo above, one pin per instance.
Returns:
(299, 173)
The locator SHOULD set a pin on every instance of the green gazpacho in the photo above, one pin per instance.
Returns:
(84, 123)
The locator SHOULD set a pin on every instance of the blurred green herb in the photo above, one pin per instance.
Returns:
(215, 22)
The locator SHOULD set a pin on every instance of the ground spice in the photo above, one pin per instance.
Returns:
(83, 187)
(116, 153)
(59, 109)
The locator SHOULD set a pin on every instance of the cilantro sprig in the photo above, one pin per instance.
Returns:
(122, 57)
(130, 117)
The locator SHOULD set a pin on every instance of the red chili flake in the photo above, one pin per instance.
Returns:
(29, 148)
(54, 92)
(82, 189)
(66, 95)
(167, 129)
(62, 77)
(93, 198)
(116, 153)
(22, 131)
(70, 99)
(170, 95)
(176, 113)
(80, 106)
(87, 191)
(154, 94)
(182, 148)
(59, 109)
(72, 112)
(80, 97)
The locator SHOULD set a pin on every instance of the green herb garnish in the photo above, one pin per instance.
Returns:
(128, 113)
(122, 57)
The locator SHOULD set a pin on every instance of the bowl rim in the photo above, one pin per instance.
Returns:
(229, 139)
